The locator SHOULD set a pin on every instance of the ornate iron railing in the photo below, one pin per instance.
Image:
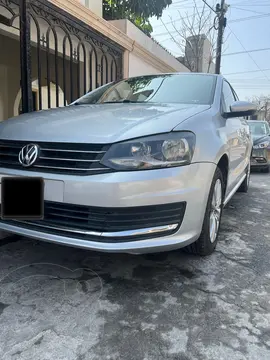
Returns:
(60, 55)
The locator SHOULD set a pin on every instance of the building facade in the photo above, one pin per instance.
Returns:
(198, 54)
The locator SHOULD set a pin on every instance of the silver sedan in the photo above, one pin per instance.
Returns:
(144, 164)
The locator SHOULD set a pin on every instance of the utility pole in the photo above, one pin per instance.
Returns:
(220, 10)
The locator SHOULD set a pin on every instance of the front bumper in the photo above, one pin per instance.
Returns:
(260, 158)
(187, 184)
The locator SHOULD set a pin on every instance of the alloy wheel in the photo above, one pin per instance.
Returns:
(215, 212)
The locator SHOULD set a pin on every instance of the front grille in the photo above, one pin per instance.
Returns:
(72, 220)
(63, 158)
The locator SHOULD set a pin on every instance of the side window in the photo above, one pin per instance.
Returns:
(228, 96)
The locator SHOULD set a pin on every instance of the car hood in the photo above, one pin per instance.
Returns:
(103, 123)
(260, 138)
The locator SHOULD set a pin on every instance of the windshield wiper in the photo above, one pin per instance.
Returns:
(111, 102)
(130, 101)
(127, 101)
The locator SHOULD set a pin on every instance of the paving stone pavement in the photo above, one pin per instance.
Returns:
(61, 303)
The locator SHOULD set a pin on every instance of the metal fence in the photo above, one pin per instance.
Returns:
(61, 54)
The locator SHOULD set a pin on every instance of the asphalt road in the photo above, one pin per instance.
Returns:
(60, 303)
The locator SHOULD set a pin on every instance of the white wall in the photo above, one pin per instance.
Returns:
(137, 66)
(93, 5)
(9, 75)
(140, 64)
(136, 34)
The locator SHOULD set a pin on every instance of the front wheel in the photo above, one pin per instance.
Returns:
(245, 184)
(266, 170)
(207, 241)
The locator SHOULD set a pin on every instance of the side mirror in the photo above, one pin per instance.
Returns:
(241, 108)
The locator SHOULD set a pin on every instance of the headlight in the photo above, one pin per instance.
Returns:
(262, 145)
(151, 152)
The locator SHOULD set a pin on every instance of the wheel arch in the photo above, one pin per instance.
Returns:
(223, 165)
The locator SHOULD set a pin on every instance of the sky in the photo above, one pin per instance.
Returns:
(241, 34)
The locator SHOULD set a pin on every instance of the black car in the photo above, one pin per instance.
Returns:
(260, 132)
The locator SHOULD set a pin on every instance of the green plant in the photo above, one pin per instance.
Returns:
(137, 11)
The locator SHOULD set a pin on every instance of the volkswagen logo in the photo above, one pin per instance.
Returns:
(28, 155)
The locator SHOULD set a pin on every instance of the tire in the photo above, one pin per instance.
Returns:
(207, 241)
(245, 184)
(266, 170)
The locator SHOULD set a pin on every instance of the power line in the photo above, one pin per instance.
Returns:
(210, 7)
(252, 3)
(246, 72)
(245, 51)
(250, 18)
(248, 52)
(189, 3)
(190, 6)
(180, 18)
(252, 11)
(169, 22)
(232, 21)
(181, 2)
(257, 5)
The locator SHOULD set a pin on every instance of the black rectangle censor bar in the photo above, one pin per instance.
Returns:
(22, 198)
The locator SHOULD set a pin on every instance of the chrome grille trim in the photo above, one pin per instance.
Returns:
(67, 168)
(1, 153)
(16, 146)
(80, 151)
(127, 233)
(110, 224)
(64, 158)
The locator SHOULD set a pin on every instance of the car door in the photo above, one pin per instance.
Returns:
(244, 139)
(236, 138)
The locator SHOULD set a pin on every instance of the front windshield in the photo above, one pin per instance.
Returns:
(176, 88)
(259, 128)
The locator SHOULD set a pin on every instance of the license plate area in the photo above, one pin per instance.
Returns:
(258, 153)
(22, 198)
(53, 189)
